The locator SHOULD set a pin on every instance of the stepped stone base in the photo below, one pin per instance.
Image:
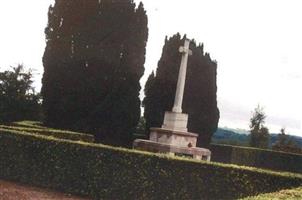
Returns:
(195, 152)
(173, 137)
(173, 142)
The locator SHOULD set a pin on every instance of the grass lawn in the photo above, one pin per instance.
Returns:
(290, 194)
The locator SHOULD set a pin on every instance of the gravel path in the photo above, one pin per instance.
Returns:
(15, 191)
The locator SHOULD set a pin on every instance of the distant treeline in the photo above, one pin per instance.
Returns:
(241, 138)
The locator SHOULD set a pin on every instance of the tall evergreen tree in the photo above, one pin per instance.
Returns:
(93, 62)
(200, 100)
(259, 134)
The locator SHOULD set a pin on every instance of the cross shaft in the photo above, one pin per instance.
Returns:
(181, 76)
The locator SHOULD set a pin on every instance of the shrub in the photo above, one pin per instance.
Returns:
(254, 157)
(104, 172)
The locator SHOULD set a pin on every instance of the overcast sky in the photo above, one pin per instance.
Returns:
(257, 44)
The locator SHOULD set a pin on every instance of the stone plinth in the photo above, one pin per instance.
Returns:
(172, 137)
(195, 152)
(175, 121)
(172, 142)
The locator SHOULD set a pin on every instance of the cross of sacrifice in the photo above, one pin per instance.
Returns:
(185, 50)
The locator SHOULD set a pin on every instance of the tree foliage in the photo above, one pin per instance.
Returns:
(93, 62)
(200, 100)
(18, 100)
(259, 134)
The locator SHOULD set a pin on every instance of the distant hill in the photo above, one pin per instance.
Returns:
(240, 137)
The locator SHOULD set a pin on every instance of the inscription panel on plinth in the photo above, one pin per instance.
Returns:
(165, 136)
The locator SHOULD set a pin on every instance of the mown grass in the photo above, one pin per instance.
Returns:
(29, 124)
(289, 194)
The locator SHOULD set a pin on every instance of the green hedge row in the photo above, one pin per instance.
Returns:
(259, 158)
(293, 194)
(52, 132)
(104, 172)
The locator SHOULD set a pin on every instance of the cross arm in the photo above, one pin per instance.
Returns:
(185, 50)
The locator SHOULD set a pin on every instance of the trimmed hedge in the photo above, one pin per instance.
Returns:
(293, 194)
(104, 172)
(260, 158)
(52, 132)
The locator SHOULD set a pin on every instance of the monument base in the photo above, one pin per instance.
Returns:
(173, 137)
(194, 152)
(173, 142)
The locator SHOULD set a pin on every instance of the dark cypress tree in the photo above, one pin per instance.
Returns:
(93, 62)
(56, 60)
(200, 100)
(152, 108)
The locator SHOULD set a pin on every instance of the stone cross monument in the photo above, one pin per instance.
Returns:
(173, 137)
(176, 120)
